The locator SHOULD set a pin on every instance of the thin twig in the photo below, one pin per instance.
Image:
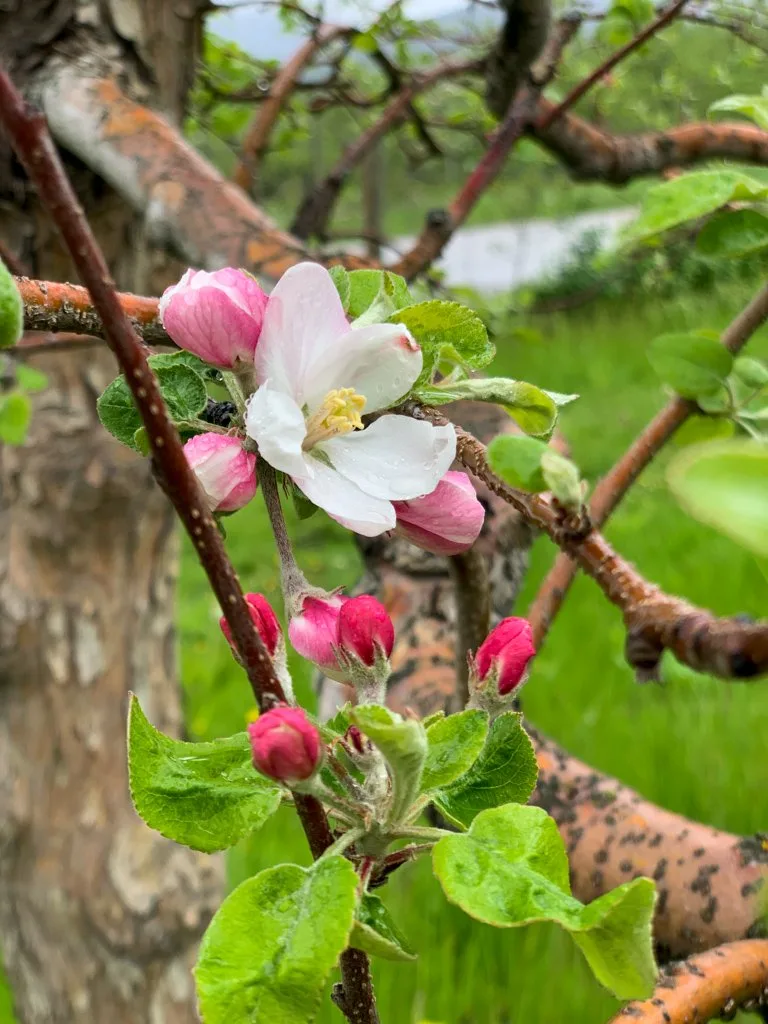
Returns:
(11, 260)
(610, 63)
(705, 987)
(617, 481)
(728, 648)
(472, 593)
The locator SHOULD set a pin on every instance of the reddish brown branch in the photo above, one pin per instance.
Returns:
(592, 154)
(10, 259)
(34, 147)
(257, 136)
(316, 208)
(617, 481)
(610, 63)
(655, 621)
(51, 306)
(712, 985)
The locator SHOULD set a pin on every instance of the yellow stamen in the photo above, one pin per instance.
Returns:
(339, 414)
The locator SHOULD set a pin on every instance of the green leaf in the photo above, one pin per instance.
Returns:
(563, 479)
(753, 107)
(560, 399)
(534, 410)
(365, 286)
(341, 280)
(505, 772)
(734, 233)
(703, 428)
(518, 461)
(751, 371)
(303, 507)
(30, 379)
(725, 484)
(376, 933)
(182, 388)
(403, 742)
(15, 414)
(691, 364)
(446, 331)
(511, 869)
(11, 310)
(692, 196)
(273, 942)
(203, 795)
(182, 358)
(453, 746)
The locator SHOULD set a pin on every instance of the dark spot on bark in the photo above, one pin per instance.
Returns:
(631, 1011)
(660, 870)
(696, 971)
(682, 835)
(666, 1017)
(596, 878)
(688, 935)
(680, 862)
(625, 866)
(699, 851)
(708, 913)
(661, 905)
(601, 856)
(610, 819)
(601, 799)
(742, 666)
(754, 849)
(751, 888)
(657, 1002)
(656, 839)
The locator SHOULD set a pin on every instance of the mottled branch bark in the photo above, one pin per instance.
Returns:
(712, 985)
(610, 490)
(520, 41)
(712, 884)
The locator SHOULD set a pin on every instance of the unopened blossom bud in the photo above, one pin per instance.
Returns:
(314, 631)
(445, 522)
(227, 473)
(217, 316)
(502, 658)
(349, 638)
(365, 629)
(265, 621)
(285, 745)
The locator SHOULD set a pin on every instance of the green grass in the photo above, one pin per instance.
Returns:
(695, 745)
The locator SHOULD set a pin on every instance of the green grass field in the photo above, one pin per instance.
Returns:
(696, 745)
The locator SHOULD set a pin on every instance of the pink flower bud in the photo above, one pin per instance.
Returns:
(285, 745)
(314, 632)
(365, 629)
(217, 316)
(505, 654)
(227, 473)
(265, 621)
(445, 522)
(344, 636)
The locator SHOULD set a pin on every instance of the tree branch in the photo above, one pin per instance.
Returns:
(257, 136)
(591, 154)
(610, 63)
(472, 592)
(712, 985)
(655, 621)
(317, 206)
(617, 481)
(51, 306)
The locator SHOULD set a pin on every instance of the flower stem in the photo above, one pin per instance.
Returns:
(343, 842)
(291, 576)
(234, 387)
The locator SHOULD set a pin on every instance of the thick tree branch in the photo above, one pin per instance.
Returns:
(617, 481)
(187, 205)
(256, 140)
(51, 306)
(591, 154)
(712, 985)
(317, 206)
(34, 147)
(655, 621)
(472, 591)
(520, 41)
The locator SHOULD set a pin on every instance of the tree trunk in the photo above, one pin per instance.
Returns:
(99, 916)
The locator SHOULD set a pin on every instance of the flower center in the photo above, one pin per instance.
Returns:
(339, 414)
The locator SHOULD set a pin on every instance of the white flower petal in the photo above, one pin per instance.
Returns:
(380, 361)
(342, 499)
(396, 458)
(303, 318)
(276, 424)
